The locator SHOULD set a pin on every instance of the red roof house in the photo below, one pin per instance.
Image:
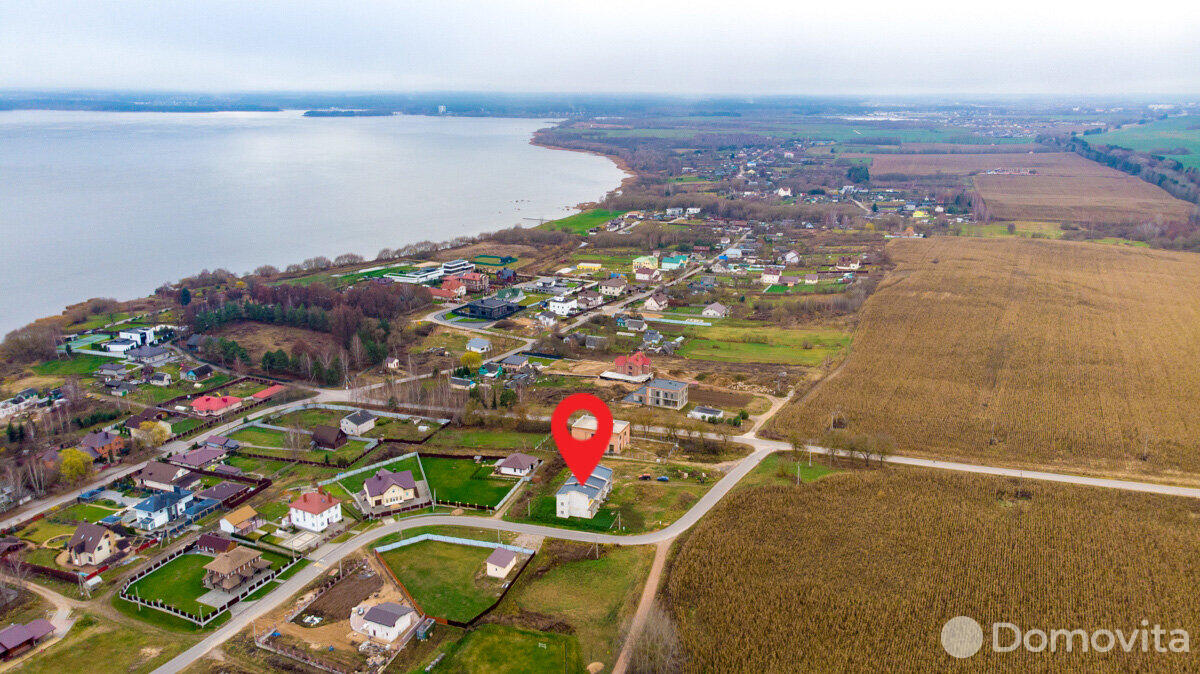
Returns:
(268, 392)
(475, 281)
(635, 364)
(215, 406)
(453, 284)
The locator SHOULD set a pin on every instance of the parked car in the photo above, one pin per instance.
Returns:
(645, 476)
(663, 478)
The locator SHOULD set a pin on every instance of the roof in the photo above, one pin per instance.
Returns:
(383, 480)
(490, 302)
(98, 439)
(326, 435)
(17, 635)
(478, 342)
(222, 491)
(268, 392)
(162, 501)
(388, 613)
(707, 411)
(669, 384)
(241, 516)
(232, 560)
(213, 542)
(314, 502)
(501, 557)
(518, 461)
(225, 469)
(615, 282)
(359, 417)
(515, 359)
(199, 457)
(201, 369)
(86, 538)
(148, 351)
(157, 471)
(213, 403)
(220, 440)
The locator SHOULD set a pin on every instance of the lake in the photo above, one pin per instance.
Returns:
(99, 204)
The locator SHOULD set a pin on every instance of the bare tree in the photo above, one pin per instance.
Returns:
(297, 441)
(657, 649)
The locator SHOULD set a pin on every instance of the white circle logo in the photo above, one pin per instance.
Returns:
(962, 637)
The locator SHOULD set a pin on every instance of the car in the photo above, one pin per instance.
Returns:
(663, 478)
(645, 476)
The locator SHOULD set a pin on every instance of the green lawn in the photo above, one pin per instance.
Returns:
(310, 418)
(763, 344)
(446, 580)
(82, 512)
(177, 583)
(779, 468)
(485, 439)
(165, 620)
(580, 223)
(499, 649)
(542, 510)
(272, 510)
(1166, 134)
(353, 483)
(254, 435)
(43, 530)
(97, 321)
(464, 481)
(97, 644)
(1025, 228)
(592, 595)
(185, 425)
(78, 364)
(251, 465)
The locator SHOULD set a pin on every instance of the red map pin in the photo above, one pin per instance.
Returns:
(581, 456)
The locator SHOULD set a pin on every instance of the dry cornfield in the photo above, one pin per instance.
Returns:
(859, 572)
(1025, 352)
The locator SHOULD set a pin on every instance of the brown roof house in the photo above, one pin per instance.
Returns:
(230, 569)
(500, 563)
(517, 465)
(164, 476)
(386, 488)
(241, 521)
(102, 445)
(328, 437)
(92, 545)
(17, 639)
(213, 544)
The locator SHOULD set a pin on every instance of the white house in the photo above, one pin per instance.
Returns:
(479, 345)
(562, 306)
(358, 422)
(517, 465)
(694, 210)
(161, 508)
(143, 336)
(456, 267)
(770, 275)
(583, 500)
(315, 511)
(715, 310)
(784, 192)
(385, 621)
(791, 257)
(674, 212)
(500, 563)
(646, 274)
(120, 345)
(613, 287)
(657, 302)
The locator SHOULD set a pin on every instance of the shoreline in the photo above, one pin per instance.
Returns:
(630, 175)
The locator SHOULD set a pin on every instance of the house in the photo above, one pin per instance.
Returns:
(585, 428)
(671, 262)
(811, 279)
(392, 363)
(589, 266)
(475, 281)
(645, 262)
(589, 299)
(91, 545)
(119, 388)
(666, 393)
(791, 257)
(562, 306)
(315, 511)
(230, 570)
(705, 413)
(583, 500)
(358, 422)
(788, 281)
(225, 469)
(491, 370)
(201, 458)
(222, 491)
(715, 310)
(613, 287)
(510, 294)
(546, 319)
(500, 563)
(268, 392)
(221, 442)
(241, 521)
(386, 488)
(442, 294)
(198, 373)
(515, 360)
(102, 445)
(488, 308)
(195, 342)
(647, 275)
(783, 192)
(213, 544)
(454, 286)
(150, 355)
(635, 324)
(143, 336)
(109, 371)
(385, 621)
(120, 345)
(594, 341)
(214, 406)
(328, 437)
(164, 477)
(770, 275)
(674, 212)
(161, 508)
(160, 379)
(693, 210)
(657, 302)
(479, 345)
(846, 263)
(636, 364)
(456, 267)
(17, 639)
(517, 465)
(462, 383)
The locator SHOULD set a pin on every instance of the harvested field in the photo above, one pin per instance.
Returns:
(258, 338)
(1026, 352)
(859, 571)
(1045, 163)
(729, 400)
(1086, 193)
(336, 603)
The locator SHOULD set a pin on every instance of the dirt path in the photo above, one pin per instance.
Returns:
(644, 604)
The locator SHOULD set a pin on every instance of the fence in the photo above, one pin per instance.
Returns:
(356, 471)
(461, 541)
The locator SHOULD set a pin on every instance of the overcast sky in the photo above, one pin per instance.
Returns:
(690, 47)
